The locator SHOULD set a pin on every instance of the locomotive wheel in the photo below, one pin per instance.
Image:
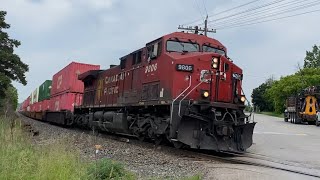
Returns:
(141, 137)
(177, 144)
(158, 140)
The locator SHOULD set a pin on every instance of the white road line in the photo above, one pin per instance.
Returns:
(278, 133)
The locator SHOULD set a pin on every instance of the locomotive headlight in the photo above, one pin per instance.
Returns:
(243, 99)
(215, 63)
(205, 94)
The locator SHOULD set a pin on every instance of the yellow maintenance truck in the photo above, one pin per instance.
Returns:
(303, 107)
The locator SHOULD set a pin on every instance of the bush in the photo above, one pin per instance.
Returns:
(108, 169)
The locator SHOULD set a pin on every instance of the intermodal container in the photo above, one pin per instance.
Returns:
(32, 107)
(35, 96)
(26, 103)
(66, 80)
(65, 101)
(45, 106)
(38, 107)
(44, 90)
(31, 98)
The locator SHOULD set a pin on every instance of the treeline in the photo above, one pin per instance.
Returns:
(271, 95)
(11, 69)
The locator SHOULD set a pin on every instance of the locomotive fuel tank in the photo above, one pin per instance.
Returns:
(111, 121)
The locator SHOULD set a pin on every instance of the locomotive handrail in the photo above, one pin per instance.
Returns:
(202, 80)
(187, 96)
(190, 79)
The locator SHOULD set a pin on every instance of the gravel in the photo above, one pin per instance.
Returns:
(144, 159)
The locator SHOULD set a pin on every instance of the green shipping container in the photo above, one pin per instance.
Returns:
(44, 90)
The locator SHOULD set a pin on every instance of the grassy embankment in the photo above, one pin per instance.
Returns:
(272, 114)
(19, 159)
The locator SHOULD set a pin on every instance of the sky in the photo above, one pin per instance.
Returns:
(55, 32)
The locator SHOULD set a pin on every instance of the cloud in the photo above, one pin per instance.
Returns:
(96, 4)
(54, 32)
(36, 16)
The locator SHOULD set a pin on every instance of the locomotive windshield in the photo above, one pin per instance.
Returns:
(212, 49)
(178, 46)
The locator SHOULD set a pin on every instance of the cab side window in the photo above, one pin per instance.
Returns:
(136, 57)
(154, 50)
(123, 62)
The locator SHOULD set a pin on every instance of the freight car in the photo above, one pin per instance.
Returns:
(181, 88)
(303, 107)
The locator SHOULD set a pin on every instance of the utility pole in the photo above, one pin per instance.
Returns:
(206, 26)
(196, 29)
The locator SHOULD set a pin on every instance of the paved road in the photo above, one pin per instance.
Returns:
(295, 147)
(284, 141)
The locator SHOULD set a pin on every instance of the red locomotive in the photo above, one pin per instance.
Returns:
(181, 87)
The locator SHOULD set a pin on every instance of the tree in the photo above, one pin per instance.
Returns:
(11, 67)
(10, 102)
(259, 98)
(292, 85)
(312, 59)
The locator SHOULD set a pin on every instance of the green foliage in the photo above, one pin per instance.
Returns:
(9, 102)
(195, 177)
(12, 68)
(312, 59)
(248, 108)
(291, 85)
(19, 159)
(259, 98)
(107, 169)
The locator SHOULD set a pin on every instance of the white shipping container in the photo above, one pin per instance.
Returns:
(35, 96)
(31, 98)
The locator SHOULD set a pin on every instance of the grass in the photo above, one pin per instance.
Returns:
(108, 169)
(195, 177)
(19, 159)
(272, 114)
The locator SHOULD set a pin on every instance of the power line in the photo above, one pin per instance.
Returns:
(237, 19)
(245, 11)
(314, 3)
(205, 8)
(199, 9)
(308, 12)
(221, 12)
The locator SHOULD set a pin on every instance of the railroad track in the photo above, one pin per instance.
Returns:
(254, 160)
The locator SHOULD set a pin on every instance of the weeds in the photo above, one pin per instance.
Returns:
(19, 159)
(108, 169)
